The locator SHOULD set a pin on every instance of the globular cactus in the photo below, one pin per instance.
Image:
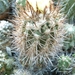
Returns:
(66, 64)
(5, 32)
(6, 63)
(39, 36)
(69, 41)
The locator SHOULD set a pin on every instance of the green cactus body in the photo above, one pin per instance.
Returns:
(64, 63)
(6, 63)
(70, 36)
(68, 7)
(4, 5)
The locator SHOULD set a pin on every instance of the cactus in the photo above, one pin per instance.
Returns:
(5, 32)
(70, 36)
(39, 36)
(66, 64)
(6, 63)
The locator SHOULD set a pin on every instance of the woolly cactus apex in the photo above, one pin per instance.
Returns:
(38, 37)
